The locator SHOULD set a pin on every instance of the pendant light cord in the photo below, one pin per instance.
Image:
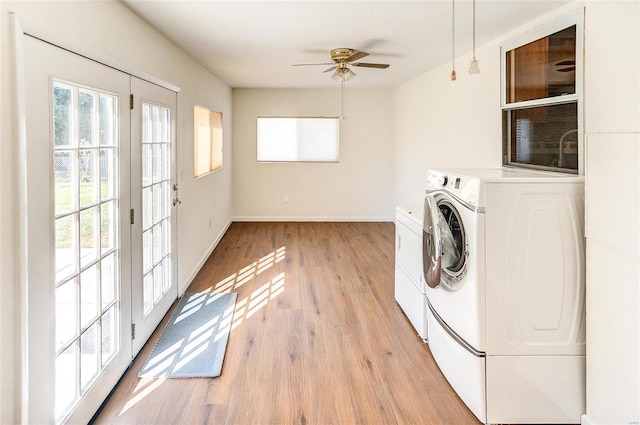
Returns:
(342, 117)
(474, 29)
(453, 40)
(474, 66)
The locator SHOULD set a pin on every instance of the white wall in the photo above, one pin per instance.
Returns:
(206, 209)
(612, 111)
(439, 123)
(108, 31)
(359, 187)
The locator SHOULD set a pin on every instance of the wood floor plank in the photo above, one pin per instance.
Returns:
(317, 338)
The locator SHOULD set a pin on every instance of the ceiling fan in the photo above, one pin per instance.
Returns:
(343, 58)
(568, 66)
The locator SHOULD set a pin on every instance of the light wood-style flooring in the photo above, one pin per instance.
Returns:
(317, 338)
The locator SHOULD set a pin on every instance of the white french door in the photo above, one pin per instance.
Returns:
(78, 246)
(153, 190)
(100, 227)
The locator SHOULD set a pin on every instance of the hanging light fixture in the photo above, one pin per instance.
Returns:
(453, 40)
(343, 73)
(474, 66)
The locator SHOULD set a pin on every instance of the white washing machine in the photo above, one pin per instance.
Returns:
(503, 254)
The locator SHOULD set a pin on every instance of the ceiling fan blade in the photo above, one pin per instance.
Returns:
(356, 56)
(312, 64)
(330, 69)
(371, 65)
(572, 68)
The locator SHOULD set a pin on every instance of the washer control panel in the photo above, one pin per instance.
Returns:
(465, 188)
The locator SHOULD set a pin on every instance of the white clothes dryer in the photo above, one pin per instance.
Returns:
(503, 256)
(410, 288)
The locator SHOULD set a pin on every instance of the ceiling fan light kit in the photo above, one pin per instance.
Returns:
(343, 74)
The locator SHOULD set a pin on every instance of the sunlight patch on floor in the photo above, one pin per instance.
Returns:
(148, 389)
(248, 306)
(188, 348)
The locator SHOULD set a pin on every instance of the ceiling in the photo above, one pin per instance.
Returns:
(254, 43)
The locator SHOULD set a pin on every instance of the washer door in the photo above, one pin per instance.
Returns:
(431, 250)
(453, 245)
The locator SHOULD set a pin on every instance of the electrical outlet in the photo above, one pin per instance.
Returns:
(286, 199)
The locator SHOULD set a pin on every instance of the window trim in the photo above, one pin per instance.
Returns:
(576, 19)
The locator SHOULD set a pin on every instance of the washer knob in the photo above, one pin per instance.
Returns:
(442, 180)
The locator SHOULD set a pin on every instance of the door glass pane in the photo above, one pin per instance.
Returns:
(108, 226)
(89, 234)
(62, 114)
(64, 171)
(146, 165)
(108, 123)
(156, 168)
(165, 209)
(66, 247)
(86, 118)
(165, 238)
(66, 376)
(108, 280)
(89, 354)
(87, 161)
(157, 282)
(147, 288)
(156, 234)
(87, 244)
(156, 201)
(67, 312)
(89, 300)
(146, 250)
(147, 208)
(109, 335)
(107, 173)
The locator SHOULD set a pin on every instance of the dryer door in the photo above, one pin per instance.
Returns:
(431, 250)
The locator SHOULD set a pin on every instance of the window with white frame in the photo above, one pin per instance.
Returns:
(542, 97)
(296, 139)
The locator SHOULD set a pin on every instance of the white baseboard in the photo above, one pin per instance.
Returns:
(312, 219)
(589, 420)
(183, 287)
